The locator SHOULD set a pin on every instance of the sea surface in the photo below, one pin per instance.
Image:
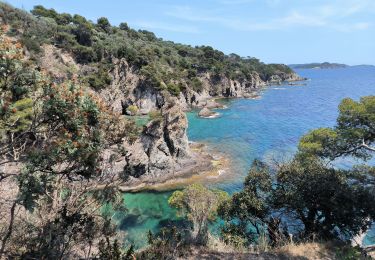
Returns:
(267, 128)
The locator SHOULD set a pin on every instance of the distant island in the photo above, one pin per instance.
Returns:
(324, 65)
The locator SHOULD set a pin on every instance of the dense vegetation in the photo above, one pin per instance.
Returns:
(56, 173)
(53, 178)
(165, 64)
(306, 197)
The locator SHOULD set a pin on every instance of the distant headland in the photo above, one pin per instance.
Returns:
(323, 65)
(315, 65)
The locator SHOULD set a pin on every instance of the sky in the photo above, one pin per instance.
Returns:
(275, 31)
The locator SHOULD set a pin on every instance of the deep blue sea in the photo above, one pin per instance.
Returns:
(267, 128)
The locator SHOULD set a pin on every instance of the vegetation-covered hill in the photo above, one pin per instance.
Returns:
(324, 65)
(165, 64)
(64, 152)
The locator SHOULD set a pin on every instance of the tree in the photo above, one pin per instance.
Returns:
(82, 30)
(251, 208)
(199, 205)
(329, 202)
(54, 174)
(354, 134)
(124, 26)
(41, 11)
(104, 24)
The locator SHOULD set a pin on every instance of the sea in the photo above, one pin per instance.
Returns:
(267, 127)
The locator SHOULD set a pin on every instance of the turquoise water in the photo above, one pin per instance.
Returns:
(268, 128)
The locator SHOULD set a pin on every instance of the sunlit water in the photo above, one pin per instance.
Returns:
(268, 128)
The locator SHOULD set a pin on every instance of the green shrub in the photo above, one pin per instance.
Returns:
(31, 44)
(196, 84)
(133, 109)
(99, 80)
(173, 89)
(155, 115)
(84, 54)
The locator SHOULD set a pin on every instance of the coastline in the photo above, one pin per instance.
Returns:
(204, 165)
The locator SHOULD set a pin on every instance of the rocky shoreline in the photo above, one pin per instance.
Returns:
(164, 159)
(203, 166)
(162, 152)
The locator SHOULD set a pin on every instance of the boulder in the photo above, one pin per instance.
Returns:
(213, 104)
(205, 112)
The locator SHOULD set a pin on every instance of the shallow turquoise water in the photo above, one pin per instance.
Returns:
(266, 128)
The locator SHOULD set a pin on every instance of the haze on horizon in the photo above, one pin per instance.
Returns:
(275, 31)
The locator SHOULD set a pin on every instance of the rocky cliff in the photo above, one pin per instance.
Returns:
(128, 88)
(162, 145)
(162, 150)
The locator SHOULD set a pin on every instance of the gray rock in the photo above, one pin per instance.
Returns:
(162, 147)
(205, 112)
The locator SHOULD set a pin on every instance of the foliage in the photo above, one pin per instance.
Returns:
(165, 65)
(199, 205)
(352, 136)
(326, 201)
(168, 243)
(52, 137)
(174, 89)
(330, 203)
(99, 79)
(113, 251)
(133, 109)
(104, 24)
(155, 115)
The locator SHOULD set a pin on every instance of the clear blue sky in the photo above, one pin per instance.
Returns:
(285, 31)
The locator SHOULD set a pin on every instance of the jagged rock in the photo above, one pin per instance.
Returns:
(162, 147)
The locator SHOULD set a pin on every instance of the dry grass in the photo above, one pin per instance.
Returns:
(308, 251)
(217, 249)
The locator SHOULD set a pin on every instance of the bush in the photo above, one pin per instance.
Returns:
(31, 44)
(84, 54)
(174, 89)
(99, 80)
(196, 84)
(132, 109)
(155, 115)
(104, 24)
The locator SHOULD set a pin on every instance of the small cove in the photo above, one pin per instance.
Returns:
(266, 128)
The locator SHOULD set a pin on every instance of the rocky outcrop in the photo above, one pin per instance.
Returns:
(128, 88)
(207, 113)
(162, 150)
(163, 147)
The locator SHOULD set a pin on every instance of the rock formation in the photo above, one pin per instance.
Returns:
(207, 113)
(163, 147)
(128, 88)
(162, 150)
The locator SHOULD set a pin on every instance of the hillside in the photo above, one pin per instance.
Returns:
(136, 73)
(90, 112)
(100, 49)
